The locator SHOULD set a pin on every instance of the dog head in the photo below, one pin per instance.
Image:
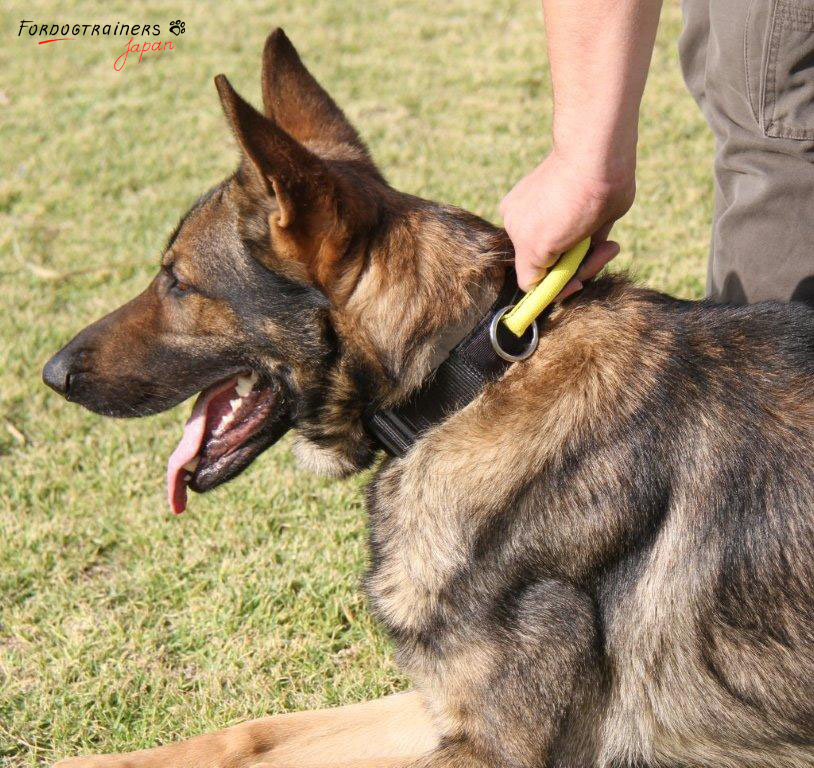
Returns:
(273, 298)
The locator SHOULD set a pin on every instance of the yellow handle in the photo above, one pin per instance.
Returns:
(523, 314)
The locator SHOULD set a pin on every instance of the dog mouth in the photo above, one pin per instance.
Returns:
(232, 422)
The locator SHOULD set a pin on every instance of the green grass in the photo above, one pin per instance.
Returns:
(121, 626)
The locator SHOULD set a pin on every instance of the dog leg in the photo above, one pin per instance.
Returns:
(530, 697)
(386, 733)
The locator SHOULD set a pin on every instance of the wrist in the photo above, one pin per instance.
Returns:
(611, 185)
(605, 158)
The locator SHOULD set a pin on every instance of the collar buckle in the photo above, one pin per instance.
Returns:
(512, 356)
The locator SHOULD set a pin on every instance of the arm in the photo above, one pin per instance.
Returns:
(599, 51)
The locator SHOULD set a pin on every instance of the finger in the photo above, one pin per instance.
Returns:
(550, 258)
(601, 235)
(589, 268)
(571, 287)
(528, 271)
(597, 259)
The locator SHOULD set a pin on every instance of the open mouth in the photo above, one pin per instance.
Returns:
(232, 422)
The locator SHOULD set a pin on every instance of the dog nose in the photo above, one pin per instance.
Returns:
(57, 372)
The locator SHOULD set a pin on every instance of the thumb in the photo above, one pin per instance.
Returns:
(528, 273)
(601, 235)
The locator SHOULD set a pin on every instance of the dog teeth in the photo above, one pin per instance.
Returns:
(192, 464)
(227, 419)
(243, 388)
(245, 384)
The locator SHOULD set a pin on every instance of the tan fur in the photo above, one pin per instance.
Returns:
(325, 462)
(387, 733)
(572, 380)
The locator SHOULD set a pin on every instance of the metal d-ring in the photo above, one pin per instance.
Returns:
(527, 352)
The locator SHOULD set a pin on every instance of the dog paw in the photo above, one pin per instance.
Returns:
(178, 27)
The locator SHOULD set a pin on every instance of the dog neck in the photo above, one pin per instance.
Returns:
(430, 276)
(426, 277)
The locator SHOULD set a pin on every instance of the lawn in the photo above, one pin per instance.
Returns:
(121, 626)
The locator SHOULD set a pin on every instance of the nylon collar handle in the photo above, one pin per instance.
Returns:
(526, 311)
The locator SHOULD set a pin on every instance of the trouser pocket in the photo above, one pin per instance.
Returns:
(786, 98)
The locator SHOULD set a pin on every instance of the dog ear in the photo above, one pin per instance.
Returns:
(291, 174)
(298, 103)
(313, 211)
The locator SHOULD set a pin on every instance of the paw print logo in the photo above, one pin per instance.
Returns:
(177, 27)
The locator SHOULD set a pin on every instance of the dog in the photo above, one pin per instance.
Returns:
(605, 559)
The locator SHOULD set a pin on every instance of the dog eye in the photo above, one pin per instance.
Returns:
(178, 286)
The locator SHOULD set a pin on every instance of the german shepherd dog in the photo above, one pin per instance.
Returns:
(605, 559)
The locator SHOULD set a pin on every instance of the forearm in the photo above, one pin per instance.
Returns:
(599, 53)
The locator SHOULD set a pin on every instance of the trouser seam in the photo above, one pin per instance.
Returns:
(770, 81)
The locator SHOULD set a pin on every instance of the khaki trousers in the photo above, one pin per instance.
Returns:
(750, 66)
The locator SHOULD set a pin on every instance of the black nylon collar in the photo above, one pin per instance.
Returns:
(470, 365)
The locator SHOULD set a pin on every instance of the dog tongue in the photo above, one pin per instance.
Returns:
(189, 446)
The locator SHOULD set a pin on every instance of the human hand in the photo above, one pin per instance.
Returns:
(556, 206)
